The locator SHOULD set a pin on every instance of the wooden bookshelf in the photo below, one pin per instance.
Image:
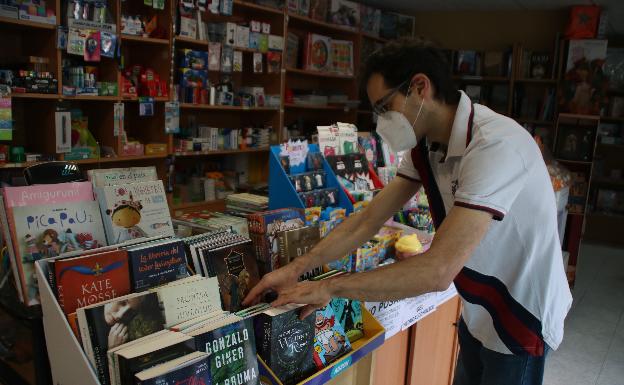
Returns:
(35, 96)
(220, 152)
(191, 106)
(307, 22)
(315, 107)
(299, 71)
(143, 40)
(19, 23)
(258, 7)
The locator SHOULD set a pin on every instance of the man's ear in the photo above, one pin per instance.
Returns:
(421, 84)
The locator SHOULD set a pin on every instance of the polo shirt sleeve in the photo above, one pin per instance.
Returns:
(406, 168)
(491, 176)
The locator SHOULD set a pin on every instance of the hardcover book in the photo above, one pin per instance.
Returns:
(134, 211)
(319, 9)
(292, 50)
(157, 263)
(298, 242)
(112, 323)
(286, 343)
(117, 176)
(349, 315)
(317, 53)
(231, 352)
(344, 12)
(32, 196)
(342, 56)
(92, 278)
(191, 369)
(263, 229)
(236, 269)
(370, 19)
(330, 339)
(191, 297)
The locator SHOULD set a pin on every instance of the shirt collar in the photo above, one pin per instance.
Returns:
(460, 130)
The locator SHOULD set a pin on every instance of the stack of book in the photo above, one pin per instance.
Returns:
(246, 203)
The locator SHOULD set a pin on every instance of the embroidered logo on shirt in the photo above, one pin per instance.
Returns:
(454, 185)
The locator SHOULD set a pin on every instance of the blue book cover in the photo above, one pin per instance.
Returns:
(192, 369)
(157, 264)
(231, 353)
(330, 339)
(349, 315)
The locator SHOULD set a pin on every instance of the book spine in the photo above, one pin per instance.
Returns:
(283, 250)
(85, 335)
(8, 238)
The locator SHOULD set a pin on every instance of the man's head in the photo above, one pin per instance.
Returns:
(412, 77)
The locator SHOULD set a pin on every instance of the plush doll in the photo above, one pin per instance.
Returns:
(51, 244)
(126, 214)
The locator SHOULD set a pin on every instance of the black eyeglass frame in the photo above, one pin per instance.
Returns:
(381, 105)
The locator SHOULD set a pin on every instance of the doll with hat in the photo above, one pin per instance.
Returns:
(126, 215)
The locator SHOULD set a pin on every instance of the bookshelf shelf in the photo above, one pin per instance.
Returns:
(608, 182)
(116, 159)
(537, 81)
(535, 121)
(484, 79)
(25, 23)
(191, 106)
(318, 74)
(612, 146)
(194, 205)
(220, 152)
(257, 7)
(612, 119)
(146, 40)
(92, 98)
(373, 37)
(190, 41)
(579, 162)
(306, 21)
(313, 107)
(35, 96)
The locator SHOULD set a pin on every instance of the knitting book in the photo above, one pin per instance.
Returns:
(134, 210)
(89, 279)
(47, 220)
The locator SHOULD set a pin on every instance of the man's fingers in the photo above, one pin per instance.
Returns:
(282, 299)
(256, 293)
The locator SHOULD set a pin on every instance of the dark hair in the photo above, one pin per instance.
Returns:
(399, 60)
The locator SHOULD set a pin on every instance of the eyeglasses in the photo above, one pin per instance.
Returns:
(383, 104)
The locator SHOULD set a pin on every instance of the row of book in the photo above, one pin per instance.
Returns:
(44, 221)
(320, 53)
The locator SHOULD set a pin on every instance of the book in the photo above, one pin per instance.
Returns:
(89, 279)
(263, 229)
(371, 19)
(292, 50)
(274, 62)
(317, 53)
(345, 13)
(319, 9)
(187, 298)
(231, 350)
(156, 263)
(112, 323)
(45, 231)
(405, 26)
(286, 343)
(297, 242)
(388, 25)
(330, 339)
(191, 369)
(342, 56)
(540, 65)
(236, 269)
(137, 358)
(466, 63)
(493, 63)
(349, 315)
(117, 176)
(134, 210)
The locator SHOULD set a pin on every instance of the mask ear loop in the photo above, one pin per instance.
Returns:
(419, 108)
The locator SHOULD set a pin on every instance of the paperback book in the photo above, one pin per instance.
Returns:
(190, 369)
(118, 176)
(134, 211)
(317, 53)
(330, 339)
(157, 263)
(297, 242)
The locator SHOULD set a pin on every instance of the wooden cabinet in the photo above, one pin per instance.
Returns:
(433, 347)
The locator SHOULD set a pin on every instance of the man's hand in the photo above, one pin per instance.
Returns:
(315, 294)
(277, 281)
(118, 335)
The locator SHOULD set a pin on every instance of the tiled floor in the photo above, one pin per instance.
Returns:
(592, 352)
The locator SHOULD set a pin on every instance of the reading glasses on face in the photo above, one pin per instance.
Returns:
(383, 105)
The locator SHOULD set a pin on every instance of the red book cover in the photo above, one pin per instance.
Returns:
(93, 278)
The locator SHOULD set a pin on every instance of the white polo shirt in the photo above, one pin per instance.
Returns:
(514, 288)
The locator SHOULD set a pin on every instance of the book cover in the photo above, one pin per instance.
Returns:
(405, 26)
(134, 210)
(183, 300)
(292, 50)
(151, 354)
(157, 264)
(117, 176)
(191, 369)
(298, 242)
(330, 339)
(274, 62)
(317, 53)
(540, 65)
(263, 228)
(29, 196)
(349, 315)
(236, 269)
(231, 353)
(370, 19)
(45, 231)
(112, 323)
(92, 278)
(342, 56)
(286, 343)
(388, 26)
(466, 62)
(319, 9)
(345, 13)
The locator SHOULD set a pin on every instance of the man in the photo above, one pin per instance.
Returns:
(494, 209)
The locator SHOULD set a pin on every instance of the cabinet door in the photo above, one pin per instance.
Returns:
(433, 343)
(390, 360)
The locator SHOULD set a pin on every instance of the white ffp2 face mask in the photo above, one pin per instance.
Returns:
(396, 130)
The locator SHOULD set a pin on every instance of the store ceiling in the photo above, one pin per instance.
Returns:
(615, 7)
